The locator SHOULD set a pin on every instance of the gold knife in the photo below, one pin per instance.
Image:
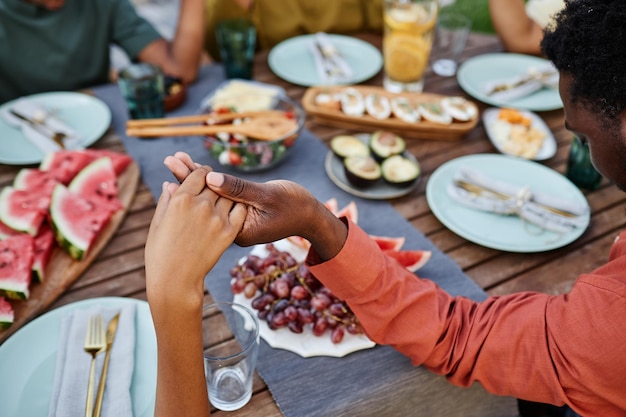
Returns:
(478, 189)
(111, 330)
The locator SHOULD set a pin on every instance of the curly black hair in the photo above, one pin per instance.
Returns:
(588, 42)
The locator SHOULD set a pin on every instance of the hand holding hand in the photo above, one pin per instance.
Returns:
(275, 209)
(191, 228)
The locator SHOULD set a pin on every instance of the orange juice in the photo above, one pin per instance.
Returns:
(408, 37)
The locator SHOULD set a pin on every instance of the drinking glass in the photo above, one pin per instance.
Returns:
(580, 170)
(236, 39)
(451, 35)
(143, 89)
(407, 40)
(229, 363)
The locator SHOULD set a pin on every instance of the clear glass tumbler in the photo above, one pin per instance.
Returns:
(409, 27)
(230, 362)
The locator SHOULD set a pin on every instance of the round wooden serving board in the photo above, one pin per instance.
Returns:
(62, 270)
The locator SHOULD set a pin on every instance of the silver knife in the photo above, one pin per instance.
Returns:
(57, 137)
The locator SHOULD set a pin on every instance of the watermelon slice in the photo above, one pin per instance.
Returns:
(6, 232)
(44, 243)
(16, 261)
(410, 259)
(120, 160)
(350, 211)
(332, 205)
(23, 210)
(76, 222)
(35, 179)
(64, 165)
(7, 315)
(97, 183)
(388, 242)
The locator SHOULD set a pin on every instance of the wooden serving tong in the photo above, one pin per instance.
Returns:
(262, 125)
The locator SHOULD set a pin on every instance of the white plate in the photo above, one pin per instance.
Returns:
(507, 233)
(305, 344)
(476, 72)
(245, 86)
(28, 358)
(548, 148)
(378, 191)
(292, 61)
(87, 115)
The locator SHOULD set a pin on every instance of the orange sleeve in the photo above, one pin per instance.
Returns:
(524, 345)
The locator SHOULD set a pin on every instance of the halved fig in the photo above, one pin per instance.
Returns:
(400, 170)
(362, 171)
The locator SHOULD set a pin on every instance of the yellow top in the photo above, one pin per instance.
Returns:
(276, 21)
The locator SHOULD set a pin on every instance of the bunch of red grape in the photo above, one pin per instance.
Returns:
(286, 294)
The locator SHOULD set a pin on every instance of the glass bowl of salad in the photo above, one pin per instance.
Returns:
(246, 153)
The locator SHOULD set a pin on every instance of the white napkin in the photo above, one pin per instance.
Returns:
(69, 391)
(528, 205)
(36, 111)
(523, 85)
(331, 67)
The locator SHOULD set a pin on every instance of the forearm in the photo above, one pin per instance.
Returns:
(517, 32)
(187, 46)
(181, 385)
(501, 343)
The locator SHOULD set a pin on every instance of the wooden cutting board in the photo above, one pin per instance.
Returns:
(420, 130)
(62, 270)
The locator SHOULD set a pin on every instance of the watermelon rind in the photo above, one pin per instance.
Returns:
(15, 266)
(29, 222)
(72, 244)
(97, 182)
(7, 315)
(410, 259)
(64, 225)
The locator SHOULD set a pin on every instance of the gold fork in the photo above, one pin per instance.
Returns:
(95, 342)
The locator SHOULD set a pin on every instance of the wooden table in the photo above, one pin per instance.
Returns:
(119, 269)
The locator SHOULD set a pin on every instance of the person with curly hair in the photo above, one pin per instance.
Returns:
(566, 350)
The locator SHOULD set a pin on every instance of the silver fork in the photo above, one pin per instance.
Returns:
(95, 342)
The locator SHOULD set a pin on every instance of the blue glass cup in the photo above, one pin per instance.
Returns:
(236, 39)
(142, 86)
(580, 170)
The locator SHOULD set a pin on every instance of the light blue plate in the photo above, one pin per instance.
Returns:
(476, 72)
(292, 61)
(86, 114)
(28, 359)
(507, 233)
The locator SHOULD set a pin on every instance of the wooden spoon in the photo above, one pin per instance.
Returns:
(263, 128)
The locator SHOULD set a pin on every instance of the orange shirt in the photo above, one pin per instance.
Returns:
(561, 349)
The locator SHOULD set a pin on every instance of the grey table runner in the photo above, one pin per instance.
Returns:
(374, 382)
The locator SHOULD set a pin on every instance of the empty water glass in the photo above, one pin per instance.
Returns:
(451, 35)
(230, 362)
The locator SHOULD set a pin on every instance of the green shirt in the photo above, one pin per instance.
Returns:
(66, 49)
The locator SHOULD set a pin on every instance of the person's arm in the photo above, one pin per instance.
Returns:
(182, 56)
(551, 349)
(177, 259)
(518, 32)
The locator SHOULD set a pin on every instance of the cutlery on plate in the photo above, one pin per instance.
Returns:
(514, 88)
(478, 190)
(95, 342)
(42, 128)
(110, 337)
(330, 59)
